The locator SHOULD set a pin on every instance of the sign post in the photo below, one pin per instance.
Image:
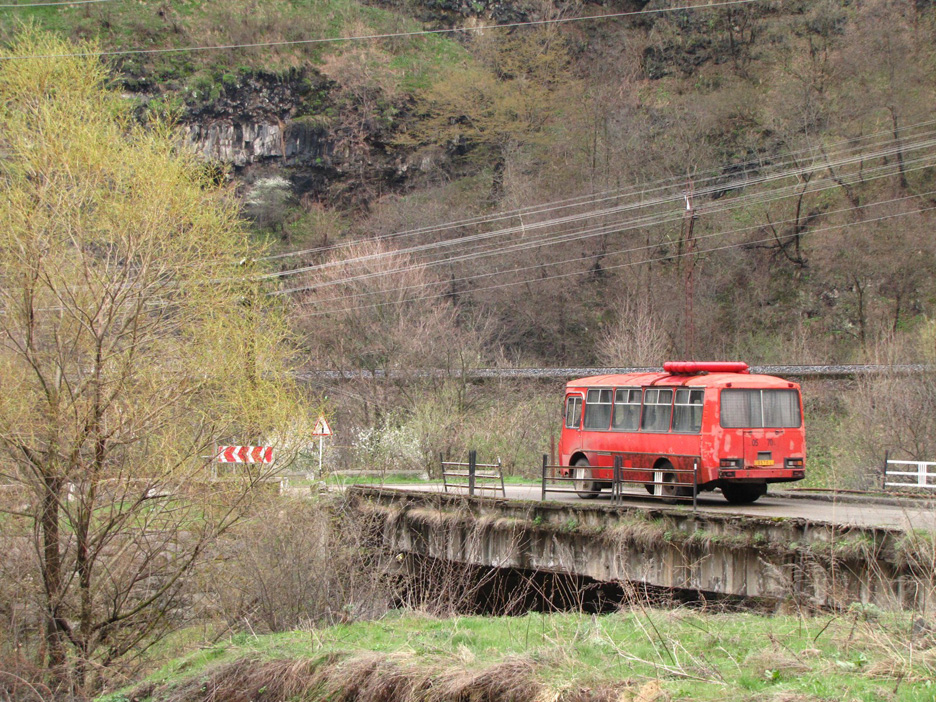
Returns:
(321, 431)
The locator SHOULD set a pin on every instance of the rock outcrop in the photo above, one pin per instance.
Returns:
(241, 142)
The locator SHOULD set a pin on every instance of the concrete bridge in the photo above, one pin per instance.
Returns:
(808, 562)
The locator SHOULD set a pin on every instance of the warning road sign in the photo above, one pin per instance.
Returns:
(321, 427)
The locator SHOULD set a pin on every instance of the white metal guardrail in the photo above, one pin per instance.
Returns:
(909, 475)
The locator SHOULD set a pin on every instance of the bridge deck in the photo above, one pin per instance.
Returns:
(852, 510)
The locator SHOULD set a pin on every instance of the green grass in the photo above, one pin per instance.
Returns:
(694, 656)
(345, 479)
(415, 62)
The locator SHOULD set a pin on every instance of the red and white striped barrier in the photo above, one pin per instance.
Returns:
(245, 454)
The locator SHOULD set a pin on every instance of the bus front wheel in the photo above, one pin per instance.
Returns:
(743, 493)
(586, 488)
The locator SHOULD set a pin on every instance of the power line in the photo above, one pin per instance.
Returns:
(613, 228)
(662, 201)
(659, 259)
(519, 269)
(747, 200)
(713, 175)
(389, 35)
(617, 252)
(525, 227)
(26, 5)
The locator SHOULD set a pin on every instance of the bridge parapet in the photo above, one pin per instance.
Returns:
(813, 563)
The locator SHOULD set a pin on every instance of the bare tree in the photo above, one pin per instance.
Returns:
(636, 337)
(372, 309)
(892, 412)
(885, 59)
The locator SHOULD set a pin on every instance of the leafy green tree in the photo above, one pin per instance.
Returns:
(132, 341)
(509, 97)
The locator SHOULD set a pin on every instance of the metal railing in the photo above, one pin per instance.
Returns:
(665, 490)
(458, 475)
(922, 477)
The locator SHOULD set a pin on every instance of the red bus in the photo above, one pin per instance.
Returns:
(738, 430)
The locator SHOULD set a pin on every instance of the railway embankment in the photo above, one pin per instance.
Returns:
(817, 564)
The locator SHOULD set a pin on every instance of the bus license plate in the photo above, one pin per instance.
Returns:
(763, 463)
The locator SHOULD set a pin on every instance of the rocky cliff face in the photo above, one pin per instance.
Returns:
(242, 141)
(291, 125)
(258, 123)
(256, 119)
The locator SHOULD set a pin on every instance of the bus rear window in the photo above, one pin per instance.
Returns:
(753, 409)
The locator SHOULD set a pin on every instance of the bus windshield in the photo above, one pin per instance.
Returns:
(753, 409)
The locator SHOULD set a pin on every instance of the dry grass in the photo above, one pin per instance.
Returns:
(638, 532)
(373, 678)
(776, 659)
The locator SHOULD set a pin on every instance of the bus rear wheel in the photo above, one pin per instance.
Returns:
(585, 487)
(671, 490)
(743, 493)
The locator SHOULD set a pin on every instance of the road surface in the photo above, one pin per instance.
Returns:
(866, 511)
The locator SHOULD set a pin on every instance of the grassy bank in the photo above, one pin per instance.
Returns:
(639, 654)
(287, 24)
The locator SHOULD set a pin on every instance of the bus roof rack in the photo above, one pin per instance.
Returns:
(696, 367)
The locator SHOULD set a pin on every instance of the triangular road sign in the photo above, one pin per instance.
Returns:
(321, 427)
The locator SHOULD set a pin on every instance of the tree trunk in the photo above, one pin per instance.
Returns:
(901, 168)
(56, 657)
(862, 333)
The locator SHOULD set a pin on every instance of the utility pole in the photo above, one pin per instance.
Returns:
(688, 227)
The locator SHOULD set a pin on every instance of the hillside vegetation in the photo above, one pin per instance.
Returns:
(819, 109)
(753, 181)
(749, 180)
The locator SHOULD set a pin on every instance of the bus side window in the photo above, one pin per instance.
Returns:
(626, 409)
(658, 406)
(597, 409)
(687, 415)
(573, 411)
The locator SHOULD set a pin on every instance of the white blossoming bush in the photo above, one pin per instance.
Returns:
(389, 447)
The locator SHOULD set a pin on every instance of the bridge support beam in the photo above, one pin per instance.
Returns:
(809, 563)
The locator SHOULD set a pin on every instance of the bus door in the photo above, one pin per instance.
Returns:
(572, 432)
